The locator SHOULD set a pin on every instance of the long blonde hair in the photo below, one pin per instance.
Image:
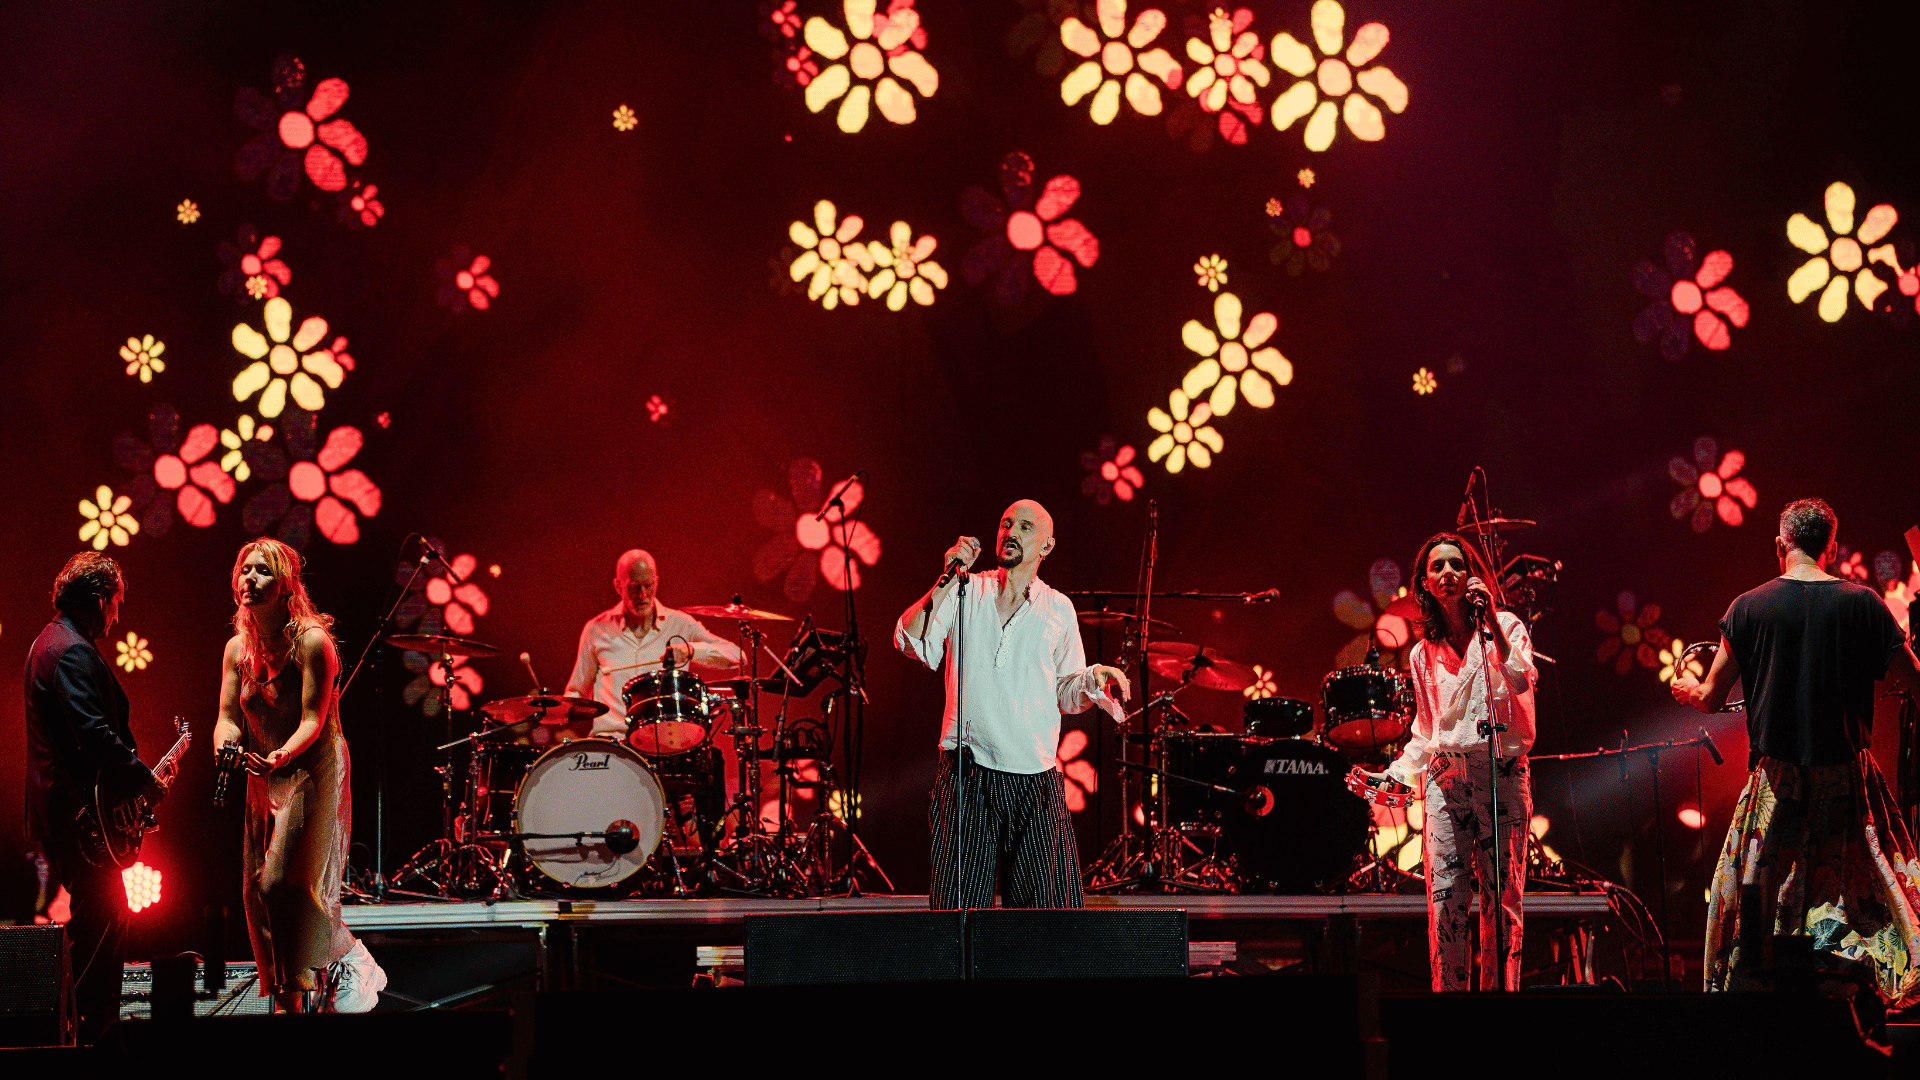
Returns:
(302, 616)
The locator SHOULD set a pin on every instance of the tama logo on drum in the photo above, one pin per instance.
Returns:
(1294, 767)
(586, 762)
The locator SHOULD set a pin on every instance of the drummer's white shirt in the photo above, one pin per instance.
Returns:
(611, 654)
(1018, 680)
(1450, 693)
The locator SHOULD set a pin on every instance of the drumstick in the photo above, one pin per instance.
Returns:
(527, 660)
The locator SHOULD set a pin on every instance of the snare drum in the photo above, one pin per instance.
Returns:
(585, 786)
(1366, 707)
(667, 711)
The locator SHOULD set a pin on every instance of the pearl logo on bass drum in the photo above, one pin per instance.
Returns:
(587, 762)
(1294, 767)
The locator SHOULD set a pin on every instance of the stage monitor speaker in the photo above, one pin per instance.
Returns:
(854, 947)
(36, 987)
(1054, 943)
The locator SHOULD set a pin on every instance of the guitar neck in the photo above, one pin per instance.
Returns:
(172, 757)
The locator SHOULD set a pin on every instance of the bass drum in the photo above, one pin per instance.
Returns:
(1299, 828)
(585, 786)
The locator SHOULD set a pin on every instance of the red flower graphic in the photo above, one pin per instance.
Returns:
(167, 462)
(293, 134)
(1634, 636)
(254, 256)
(799, 534)
(1082, 778)
(1111, 473)
(464, 280)
(1707, 488)
(1029, 233)
(310, 485)
(1683, 298)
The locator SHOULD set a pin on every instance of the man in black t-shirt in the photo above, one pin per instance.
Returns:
(1815, 848)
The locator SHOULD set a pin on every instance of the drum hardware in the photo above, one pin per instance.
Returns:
(1493, 525)
(736, 611)
(668, 710)
(1104, 619)
(456, 648)
(447, 865)
(1276, 717)
(1366, 707)
(1212, 669)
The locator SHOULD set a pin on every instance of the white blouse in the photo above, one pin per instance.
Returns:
(1450, 692)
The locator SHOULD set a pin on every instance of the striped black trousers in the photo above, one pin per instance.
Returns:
(1017, 827)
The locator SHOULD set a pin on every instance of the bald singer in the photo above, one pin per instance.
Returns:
(1014, 664)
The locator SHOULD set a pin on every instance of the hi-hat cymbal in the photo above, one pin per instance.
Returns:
(1107, 620)
(735, 610)
(1212, 669)
(546, 708)
(1499, 524)
(446, 644)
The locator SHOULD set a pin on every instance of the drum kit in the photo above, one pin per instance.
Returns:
(548, 807)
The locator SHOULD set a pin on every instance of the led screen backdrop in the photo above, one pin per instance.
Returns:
(548, 282)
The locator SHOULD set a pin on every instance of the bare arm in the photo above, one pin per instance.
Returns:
(230, 725)
(318, 666)
(1709, 694)
(586, 669)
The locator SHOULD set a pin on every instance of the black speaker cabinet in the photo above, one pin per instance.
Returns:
(1053, 943)
(36, 987)
(854, 946)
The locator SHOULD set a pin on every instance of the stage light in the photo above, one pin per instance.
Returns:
(142, 884)
(1264, 685)
(1707, 488)
(1424, 383)
(1692, 818)
(187, 212)
(1687, 295)
(133, 653)
(1233, 359)
(108, 519)
(494, 569)
(1537, 825)
(1305, 238)
(1111, 473)
(285, 363)
(624, 119)
(1211, 271)
(1842, 252)
(1027, 233)
(1671, 663)
(1323, 82)
(886, 45)
(1082, 779)
(1111, 56)
(142, 355)
(1229, 72)
(1634, 634)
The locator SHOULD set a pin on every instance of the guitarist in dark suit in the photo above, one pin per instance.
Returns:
(80, 744)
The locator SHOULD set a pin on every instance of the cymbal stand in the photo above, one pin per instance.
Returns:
(1126, 861)
(446, 865)
(754, 864)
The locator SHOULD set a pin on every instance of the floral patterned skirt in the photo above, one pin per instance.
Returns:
(1817, 851)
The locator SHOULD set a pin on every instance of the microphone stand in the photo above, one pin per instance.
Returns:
(1491, 729)
(854, 733)
(345, 682)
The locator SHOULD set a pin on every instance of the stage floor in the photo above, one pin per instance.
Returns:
(722, 911)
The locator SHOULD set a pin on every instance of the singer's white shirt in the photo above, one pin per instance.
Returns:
(612, 653)
(1018, 680)
(1450, 694)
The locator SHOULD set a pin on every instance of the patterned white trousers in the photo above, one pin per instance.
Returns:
(1458, 845)
(1016, 824)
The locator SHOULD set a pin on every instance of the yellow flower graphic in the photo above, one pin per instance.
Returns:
(624, 120)
(1424, 383)
(133, 652)
(881, 50)
(906, 268)
(142, 355)
(1212, 272)
(832, 263)
(1673, 667)
(1117, 57)
(1231, 357)
(188, 211)
(1841, 252)
(235, 439)
(1184, 433)
(1264, 685)
(284, 365)
(108, 518)
(1333, 78)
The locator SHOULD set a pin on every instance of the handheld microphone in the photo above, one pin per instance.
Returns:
(954, 566)
(1479, 602)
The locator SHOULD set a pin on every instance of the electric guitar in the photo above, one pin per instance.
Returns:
(112, 831)
(1359, 783)
(226, 765)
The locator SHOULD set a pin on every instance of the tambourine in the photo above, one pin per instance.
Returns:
(1360, 784)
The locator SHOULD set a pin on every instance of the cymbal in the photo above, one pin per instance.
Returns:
(443, 643)
(546, 708)
(735, 610)
(1478, 528)
(1213, 669)
(1105, 620)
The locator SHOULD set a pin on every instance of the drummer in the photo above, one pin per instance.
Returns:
(632, 638)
